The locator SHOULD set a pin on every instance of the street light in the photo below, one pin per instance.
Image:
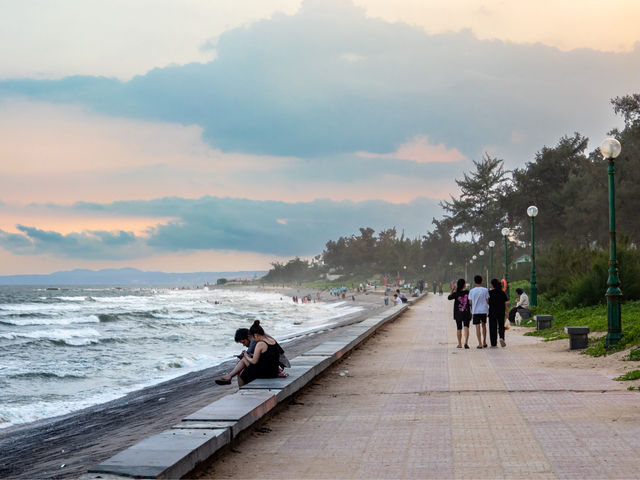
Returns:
(491, 245)
(610, 149)
(532, 211)
(481, 253)
(505, 233)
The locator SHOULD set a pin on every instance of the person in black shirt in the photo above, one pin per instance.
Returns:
(497, 312)
(461, 311)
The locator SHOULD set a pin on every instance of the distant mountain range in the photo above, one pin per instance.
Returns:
(125, 277)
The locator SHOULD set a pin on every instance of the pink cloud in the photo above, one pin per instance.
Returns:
(419, 150)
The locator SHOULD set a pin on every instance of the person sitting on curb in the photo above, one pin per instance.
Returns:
(244, 337)
(396, 299)
(523, 304)
(479, 302)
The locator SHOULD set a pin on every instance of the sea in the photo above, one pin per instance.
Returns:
(66, 349)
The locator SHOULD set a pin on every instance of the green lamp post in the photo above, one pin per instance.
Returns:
(610, 149)
(505, 233)
(491, 245)
(481, 253)
(532, 211)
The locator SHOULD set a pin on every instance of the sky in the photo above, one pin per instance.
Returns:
(217, 136)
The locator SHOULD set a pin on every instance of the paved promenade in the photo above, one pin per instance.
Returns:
(414, 406)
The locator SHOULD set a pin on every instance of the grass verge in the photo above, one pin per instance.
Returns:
(596, 319)
(632, 375)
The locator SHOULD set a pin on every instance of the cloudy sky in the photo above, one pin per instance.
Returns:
(223, 135)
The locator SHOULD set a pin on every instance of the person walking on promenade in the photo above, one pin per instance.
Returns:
(461, 313)
(479, 300)
(497, 313)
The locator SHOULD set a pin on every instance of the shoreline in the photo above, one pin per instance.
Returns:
(83, 438)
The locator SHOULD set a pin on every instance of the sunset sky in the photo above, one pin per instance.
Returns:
(223, 135)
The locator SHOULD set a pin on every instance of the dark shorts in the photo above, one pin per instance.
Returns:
(252, 372)
(479, 318)
(464, 322)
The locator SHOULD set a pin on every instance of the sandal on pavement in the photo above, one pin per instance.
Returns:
(466, 346)
(479, 346)
(459, 346)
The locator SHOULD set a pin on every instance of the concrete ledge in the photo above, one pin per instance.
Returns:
(319, 363)
(241, 408)
(170, 454)
(283, 387)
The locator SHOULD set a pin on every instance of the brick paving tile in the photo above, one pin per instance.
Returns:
(414, 406)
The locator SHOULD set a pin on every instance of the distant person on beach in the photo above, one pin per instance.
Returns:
(497, 313)
(248, 339)
(461, 311)
(479, 300)
(435, 287)
(440, 289)
(522, 304)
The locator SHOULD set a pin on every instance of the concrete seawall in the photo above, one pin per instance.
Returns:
(175, 452)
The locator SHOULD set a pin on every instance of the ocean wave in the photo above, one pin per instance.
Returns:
(11, 309)
(27, 375)
(75, 338)
(72, 299)
(23, 321)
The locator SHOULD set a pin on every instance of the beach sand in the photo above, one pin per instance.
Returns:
(66, 446)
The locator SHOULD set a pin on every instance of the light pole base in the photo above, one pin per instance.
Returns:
(614, 321)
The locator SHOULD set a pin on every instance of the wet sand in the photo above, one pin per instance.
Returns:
(66, 446)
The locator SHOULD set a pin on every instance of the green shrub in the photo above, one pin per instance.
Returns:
(632, 375)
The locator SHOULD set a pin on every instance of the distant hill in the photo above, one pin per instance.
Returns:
(126, 276)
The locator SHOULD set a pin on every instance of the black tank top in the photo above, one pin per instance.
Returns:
(267, 366)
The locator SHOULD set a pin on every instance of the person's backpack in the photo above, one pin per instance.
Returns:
(283, 360)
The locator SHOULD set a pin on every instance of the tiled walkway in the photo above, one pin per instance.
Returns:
(414, 406)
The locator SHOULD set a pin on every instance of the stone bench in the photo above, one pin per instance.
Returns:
(525, 314)
(543, 321)
(577, 337)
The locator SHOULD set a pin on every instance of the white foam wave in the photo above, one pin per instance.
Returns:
(75, 337)
(72, 299)
(22, 322)
(26, 308)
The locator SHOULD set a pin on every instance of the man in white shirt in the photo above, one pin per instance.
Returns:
(479, 301)
(523, 304)
(396, 299)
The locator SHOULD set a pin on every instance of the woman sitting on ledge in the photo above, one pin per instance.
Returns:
(265, 360)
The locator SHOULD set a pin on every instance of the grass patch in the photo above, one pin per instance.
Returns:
(634, 355)
(632, 375)
(595, 318)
